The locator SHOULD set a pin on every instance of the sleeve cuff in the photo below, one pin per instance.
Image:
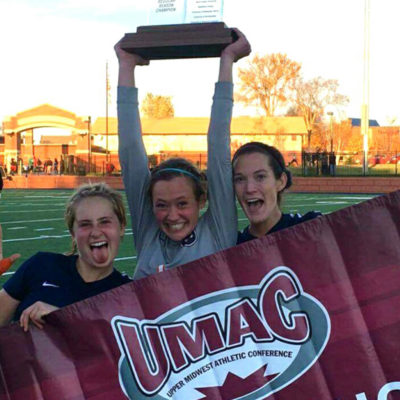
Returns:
(223, 90)
(127, 95)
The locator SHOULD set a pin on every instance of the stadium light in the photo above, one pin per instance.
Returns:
(365, 105)
(330, 113)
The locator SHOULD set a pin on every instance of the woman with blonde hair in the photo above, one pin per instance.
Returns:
(95, 217)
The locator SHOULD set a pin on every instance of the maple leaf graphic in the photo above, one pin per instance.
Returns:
(235, 386)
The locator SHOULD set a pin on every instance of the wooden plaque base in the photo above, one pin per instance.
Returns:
(179, 41)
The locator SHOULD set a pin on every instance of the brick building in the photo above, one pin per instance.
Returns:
(91, 143)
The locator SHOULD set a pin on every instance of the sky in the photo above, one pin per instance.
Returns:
(55, 51)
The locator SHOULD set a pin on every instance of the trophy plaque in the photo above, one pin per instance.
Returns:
(181, 29)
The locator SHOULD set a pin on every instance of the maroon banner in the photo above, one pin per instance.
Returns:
(307, 313)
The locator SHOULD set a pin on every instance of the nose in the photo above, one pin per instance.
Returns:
(173, 214)
(95, 231)
(250, 186)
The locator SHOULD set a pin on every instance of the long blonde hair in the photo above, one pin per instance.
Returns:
(93, 190)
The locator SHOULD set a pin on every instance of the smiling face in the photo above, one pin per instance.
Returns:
(257, 190)
(175, 207)
(97, 232)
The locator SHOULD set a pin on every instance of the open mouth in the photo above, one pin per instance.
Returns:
(176, 227)
(254, 204)
(99, 251)
(98, 245)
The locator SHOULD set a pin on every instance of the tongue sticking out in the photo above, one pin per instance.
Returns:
(100, 254)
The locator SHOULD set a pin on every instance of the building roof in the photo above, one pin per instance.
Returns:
(46, 109)
(357, 122)
(199, 125)
(251, 125)
(42, 116)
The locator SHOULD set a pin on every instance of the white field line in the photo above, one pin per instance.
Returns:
(31, 211)
(330, 202)
(46, 197)
(286, 205)
(327, 196)
(125, 258)
(44, 229)
(41, 237)
(36, 220)
(32, 220)
(38, 203)
(17, 228)
(356, 198)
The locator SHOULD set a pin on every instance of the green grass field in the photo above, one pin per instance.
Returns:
(32, 221)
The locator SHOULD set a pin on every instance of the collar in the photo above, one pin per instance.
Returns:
(188, 241)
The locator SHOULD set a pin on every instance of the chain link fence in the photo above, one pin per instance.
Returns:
(347, 164)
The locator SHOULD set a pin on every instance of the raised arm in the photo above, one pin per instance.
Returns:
(222, 206)
(132, 153)
(232, 53)
(127, 64)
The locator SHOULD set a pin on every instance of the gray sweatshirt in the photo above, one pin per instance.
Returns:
(217, 227)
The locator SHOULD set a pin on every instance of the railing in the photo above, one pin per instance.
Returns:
(308, 164)
(347, 164)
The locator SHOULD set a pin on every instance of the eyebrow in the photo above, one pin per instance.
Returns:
(105, 217)
(98, 219)
(79, 221)
(255, 172)
(184, 197)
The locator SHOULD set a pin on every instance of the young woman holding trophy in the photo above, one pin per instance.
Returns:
(165, 203)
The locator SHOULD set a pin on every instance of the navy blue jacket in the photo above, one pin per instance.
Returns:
(286, 221)
(54, 279)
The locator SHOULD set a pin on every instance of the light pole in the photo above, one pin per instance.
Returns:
(365, 105)
(107, 101)
(89, 121)
(330, 113)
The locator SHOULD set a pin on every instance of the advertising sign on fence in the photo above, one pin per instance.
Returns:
(307, 313)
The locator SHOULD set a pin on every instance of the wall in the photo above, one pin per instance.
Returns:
(346, 185)
(326, 185)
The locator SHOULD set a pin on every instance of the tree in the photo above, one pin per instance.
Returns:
(155, 106)
(313, 96)
(319, 139)
(268, 81)
(342, 133)
(293, 111)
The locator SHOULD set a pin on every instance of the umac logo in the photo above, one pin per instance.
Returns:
(245, 342)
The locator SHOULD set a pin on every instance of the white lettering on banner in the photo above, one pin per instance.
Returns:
(383, 393)
(251, 334)
(389, 387)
